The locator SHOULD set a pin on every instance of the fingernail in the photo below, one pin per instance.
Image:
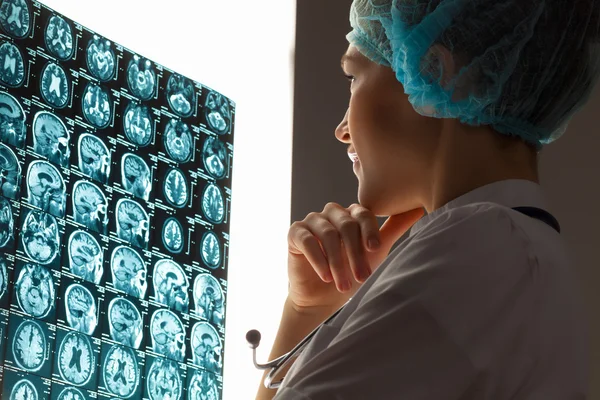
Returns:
(345, 285)
(373, 243)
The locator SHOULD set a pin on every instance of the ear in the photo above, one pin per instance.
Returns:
(442, 66)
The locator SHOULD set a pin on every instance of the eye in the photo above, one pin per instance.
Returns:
(349, 77)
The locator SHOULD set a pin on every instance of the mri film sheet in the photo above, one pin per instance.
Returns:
(115, 193)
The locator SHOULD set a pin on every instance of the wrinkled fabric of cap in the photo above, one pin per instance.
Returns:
(523, 67)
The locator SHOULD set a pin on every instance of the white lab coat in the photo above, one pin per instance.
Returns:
(479, 302)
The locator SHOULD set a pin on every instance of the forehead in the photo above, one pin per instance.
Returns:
(352, 55)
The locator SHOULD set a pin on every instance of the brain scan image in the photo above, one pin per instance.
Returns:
(15, 18)
(90, 206)
(128, 271)
(214, 156)
(3, 282)
(171, 285)
(85, 257)
(203, 386)
(71, 393)
(206, 347)
(176, 188)
(51, 138)
(6, 222)
(100, 58)
(136, 177)
(12, 65)
(218, 113)
(34, 290)
(59, 38)
(80, 307)
(208, 298)
(24, 390)
(138, 124)
(125, 323)
(40, 237)
(46, 188)
(141, 78)
(212, 204)
(96, 105)
(94, 158)
(29, 346)
(172, 235)
(168, 335)
(133, 223)
(120, 372)
(12, 120)
(54, 85)
(76, 360)
(10, 173)
(178, 142)
(180, 95)
(210, 250)
(163, 380)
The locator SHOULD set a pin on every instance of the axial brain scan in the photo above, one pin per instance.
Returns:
(80, 307)
(85, 256)
(115, 186)
(128, 271)
(6, 222)
(168, 334)
(203, 386)
(94, 158)
(34, 289)
(180, 95)
(120, 372)
(59, 38)
(136, 177)
(208, 298)
(76, 360)
(46, 188)
(138, 124)
(96, 105)
(218, 114)
(171, 285)
(100, 58)
(12, 120)
(212, 204)
(206, 347)
(177, 140)
(172, 235)
(141, 78)
(29, 346)
(125, 322)
(210, 250)
(176, 188)
(15, 18)
(51, 138)
(133, 223)
(214, 156)
(90, 206)
(54, 85)
(24, 390)
(163, 380)
(40, 238)
(12, 65)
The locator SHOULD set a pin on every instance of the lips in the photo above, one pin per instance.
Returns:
(353, 157)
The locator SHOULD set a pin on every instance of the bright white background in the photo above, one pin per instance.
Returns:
(244, 49)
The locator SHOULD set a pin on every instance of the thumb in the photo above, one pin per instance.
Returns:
(397, 225)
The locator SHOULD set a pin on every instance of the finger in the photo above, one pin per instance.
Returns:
(369, 227)
(349, 230)
(301, 241)
(330, 240)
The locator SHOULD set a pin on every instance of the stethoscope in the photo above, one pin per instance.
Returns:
(276, 365)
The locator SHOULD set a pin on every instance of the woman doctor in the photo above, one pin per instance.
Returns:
(450, 103)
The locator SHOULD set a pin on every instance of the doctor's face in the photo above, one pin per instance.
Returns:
(394, 144)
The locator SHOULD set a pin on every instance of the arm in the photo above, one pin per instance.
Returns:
(294, 326)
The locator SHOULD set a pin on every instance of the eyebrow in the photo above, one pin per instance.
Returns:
(346, 58)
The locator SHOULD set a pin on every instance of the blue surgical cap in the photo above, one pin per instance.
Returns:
(524, 67)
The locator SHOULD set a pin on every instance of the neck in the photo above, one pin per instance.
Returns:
(471, 157)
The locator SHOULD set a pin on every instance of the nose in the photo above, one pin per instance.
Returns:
(341, 132)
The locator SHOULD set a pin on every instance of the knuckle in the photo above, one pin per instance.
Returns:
(330, 233)
(331, 205)
(349, 225)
